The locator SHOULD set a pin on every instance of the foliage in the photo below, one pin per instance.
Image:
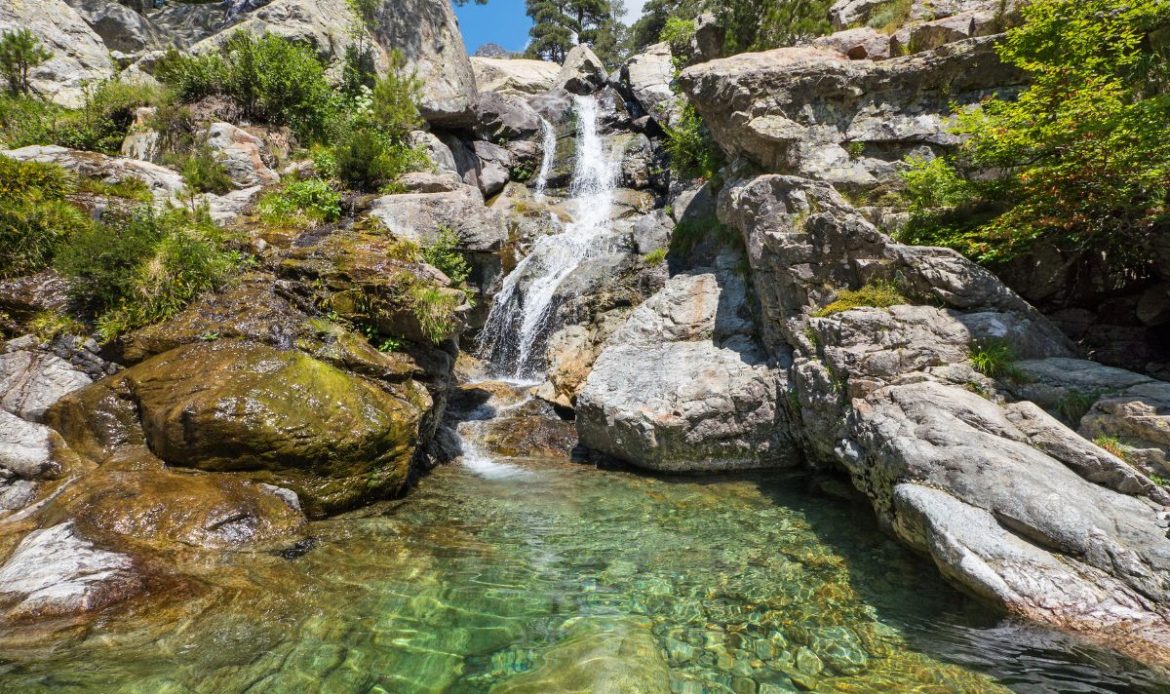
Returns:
(444, 254)
(876, 294)
(300, 203)
(1113, 446)
(435, 311)
(366, 10)
(372, 148)
(203, 173)
(272, 79)
(1079, 161)
(692, 152)
(35, 217)
(20, 52)
(749, 25)
(139, 269)
(129, 188)
(47, 325)
(559, 25)
(890, 16)
(26, 120)
(655, 257)
(1076, 404)
(995, 358)
(358, 72)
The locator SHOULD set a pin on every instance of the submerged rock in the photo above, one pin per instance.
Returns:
(597, 657)
(54, 572)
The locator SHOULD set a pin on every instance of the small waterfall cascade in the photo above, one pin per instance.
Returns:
(550, 153)
(517, 324)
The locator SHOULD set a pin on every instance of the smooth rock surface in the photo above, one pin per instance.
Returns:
(30, 382)
(514, 76)
(79, 56)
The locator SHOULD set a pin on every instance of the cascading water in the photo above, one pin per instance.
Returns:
(518, 321)
(550, 154)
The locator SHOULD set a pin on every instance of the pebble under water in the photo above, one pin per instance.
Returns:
(491, 569)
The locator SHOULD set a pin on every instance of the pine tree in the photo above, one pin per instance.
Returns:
(558, 25)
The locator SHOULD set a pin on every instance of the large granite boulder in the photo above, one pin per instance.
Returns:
(646, 78)
(1009, 502)
(427, 33)
(684, 385)
(582, 73)
(120, 27)
(242, 155)
(815, 113)
(78, 55)
(278, 417)
(514, 76)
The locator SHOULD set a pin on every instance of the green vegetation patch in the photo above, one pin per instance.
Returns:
(876, 295)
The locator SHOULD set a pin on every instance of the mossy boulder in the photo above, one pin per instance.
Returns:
(281, 417)
(162, 509)
(369, 277)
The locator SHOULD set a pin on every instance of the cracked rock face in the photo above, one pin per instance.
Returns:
(684, 384)
(1008, 502)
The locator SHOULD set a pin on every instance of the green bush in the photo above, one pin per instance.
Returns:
(693, 154)
(435, 311)
(35, 217)
(445, 255)
(26, 120)
(1078, 162)
(876, 294)
(203, 173)
(300, 203)
(100, 125)
(129, 189)
(655, 257)
(144, 268)
(20, 52)
(272, 79)
(358, 72)
(994, 358)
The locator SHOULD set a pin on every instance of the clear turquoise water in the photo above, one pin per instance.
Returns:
(476, 577)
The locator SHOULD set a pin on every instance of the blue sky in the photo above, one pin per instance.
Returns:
(504, 22)
(499, 21)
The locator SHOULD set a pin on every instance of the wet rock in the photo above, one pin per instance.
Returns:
(54, 572)
(31, 381)
(28, 450)
(582, 73)
(683, 385)
(514, 75)
(78, 55)
(161, 509)
(597, 656)
(281, 417)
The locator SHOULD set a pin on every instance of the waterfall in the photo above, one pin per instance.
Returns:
(550, 154)
(518, 321)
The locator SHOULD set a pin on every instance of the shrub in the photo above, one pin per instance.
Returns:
(100, 125)
(358, 72)
(693, 154)
(435, 311)
(26, 120)
(1112, 445)
(655, 257)
(877, 295)
(145, 267)
(203, 172)
(995, 358)
(890, 16)
(272, 79)
(1079, 160)
(20, 52)
(444, 254)
(35, 218)
(301, 203)
(130, 188)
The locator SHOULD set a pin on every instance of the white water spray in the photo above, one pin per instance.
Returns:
(550, 155)
(519, 318)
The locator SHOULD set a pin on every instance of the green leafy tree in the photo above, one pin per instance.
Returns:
(20, 52)
(1081, 160)
(559, 25)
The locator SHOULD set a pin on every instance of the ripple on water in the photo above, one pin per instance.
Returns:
(512, 574)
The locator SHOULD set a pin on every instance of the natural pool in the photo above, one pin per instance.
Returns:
(488, 570)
